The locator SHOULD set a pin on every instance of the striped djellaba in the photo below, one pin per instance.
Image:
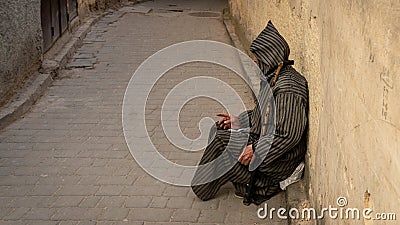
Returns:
(285, 150)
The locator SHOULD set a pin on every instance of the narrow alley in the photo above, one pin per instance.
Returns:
(66, 160)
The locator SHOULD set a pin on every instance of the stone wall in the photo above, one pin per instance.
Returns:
(20, 43)
(348, 50)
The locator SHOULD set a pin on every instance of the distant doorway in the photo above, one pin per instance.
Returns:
(56, 16)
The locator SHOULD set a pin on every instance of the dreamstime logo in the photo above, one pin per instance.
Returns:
(341, 201)
(136, 98)
(333, 212)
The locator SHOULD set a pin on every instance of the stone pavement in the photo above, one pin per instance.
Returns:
(66, 161)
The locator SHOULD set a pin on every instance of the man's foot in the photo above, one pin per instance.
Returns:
(240, 190)
(259, 199)
(238, 195)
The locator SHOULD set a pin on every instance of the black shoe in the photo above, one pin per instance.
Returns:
(258, 199)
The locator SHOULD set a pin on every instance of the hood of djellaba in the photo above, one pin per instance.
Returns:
(270, 48)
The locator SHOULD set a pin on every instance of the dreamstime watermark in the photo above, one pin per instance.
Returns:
(338, 212)
(136, 99)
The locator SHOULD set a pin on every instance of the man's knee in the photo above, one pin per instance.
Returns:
(199, 191)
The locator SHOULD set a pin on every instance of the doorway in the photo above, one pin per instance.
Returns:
(56, 16)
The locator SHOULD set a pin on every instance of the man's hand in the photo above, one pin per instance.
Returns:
(246, 156)
(228, 121)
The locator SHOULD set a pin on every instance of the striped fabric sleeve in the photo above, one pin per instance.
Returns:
(244, 123)
(291, 121)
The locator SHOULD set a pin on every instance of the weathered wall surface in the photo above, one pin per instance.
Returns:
(20, 43)
(86, 6)
(349, 52)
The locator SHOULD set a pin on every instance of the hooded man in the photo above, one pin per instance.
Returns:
(278, 152)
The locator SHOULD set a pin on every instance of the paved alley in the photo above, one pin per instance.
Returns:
(66, 160)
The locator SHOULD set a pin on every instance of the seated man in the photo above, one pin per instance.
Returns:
(284, 150)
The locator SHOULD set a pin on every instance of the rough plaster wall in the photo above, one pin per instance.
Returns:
(20, 43)
(359, 64)
(349, 52)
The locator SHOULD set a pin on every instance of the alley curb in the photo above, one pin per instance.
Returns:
(295, 194)
(35, 87)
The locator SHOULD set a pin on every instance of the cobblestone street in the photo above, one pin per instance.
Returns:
(66, 161)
